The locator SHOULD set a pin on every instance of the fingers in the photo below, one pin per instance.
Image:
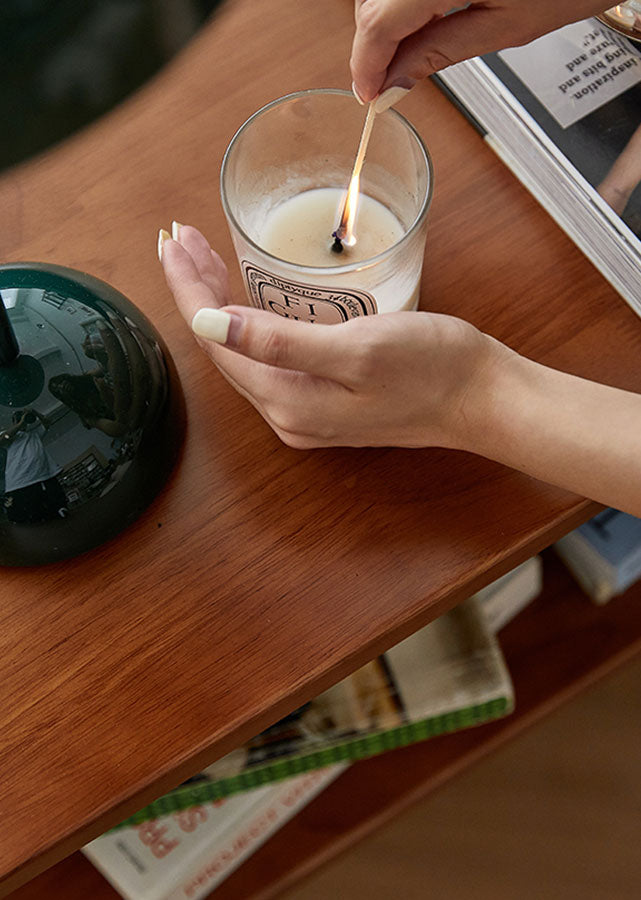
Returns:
(298, 406)
(380, 27)
(372, 51)
(448, 40)
(326, 351)
(303, 410)
(399, 42)
(209, 264)
(196, 276)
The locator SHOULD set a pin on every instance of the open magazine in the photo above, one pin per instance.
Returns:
(564, 113)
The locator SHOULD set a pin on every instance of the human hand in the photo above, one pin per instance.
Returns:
(399, 42)
(409, 379)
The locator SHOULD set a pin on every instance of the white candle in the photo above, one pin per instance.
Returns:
(299, 230)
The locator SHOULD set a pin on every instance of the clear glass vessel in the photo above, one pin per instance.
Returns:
(308, 141)
(624, 18)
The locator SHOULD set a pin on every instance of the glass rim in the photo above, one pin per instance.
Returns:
(348, 267)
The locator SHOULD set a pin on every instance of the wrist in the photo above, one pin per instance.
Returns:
(479, 417)
(560, 428)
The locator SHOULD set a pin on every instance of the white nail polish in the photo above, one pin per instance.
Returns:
(175, 230)
(357, 95)
(162, 237)
(211, 324)
(389, 97)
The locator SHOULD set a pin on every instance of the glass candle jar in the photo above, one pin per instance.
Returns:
(284, 179)
(624, 18)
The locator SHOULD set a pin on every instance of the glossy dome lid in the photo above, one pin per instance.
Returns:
(91, 413)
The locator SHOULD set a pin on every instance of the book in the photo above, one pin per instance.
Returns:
(504, 598)
(449, 675)
(564, 114)
(604, 554)
(186, 855)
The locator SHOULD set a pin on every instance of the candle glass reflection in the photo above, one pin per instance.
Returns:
(624, 18)
(283, 183)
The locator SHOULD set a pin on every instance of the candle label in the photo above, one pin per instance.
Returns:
(306, 302)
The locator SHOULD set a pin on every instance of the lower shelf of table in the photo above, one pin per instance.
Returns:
(555, 648)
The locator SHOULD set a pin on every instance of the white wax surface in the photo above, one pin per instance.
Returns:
(299, 229)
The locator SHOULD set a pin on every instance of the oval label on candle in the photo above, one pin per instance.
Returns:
(305, 302)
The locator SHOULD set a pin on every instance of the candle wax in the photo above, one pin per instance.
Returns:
(299, 229)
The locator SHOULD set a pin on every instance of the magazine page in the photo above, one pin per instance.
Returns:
(582, 85)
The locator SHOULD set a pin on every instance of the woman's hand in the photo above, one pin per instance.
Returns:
(411, 380)
(399, 42)
(401, 379)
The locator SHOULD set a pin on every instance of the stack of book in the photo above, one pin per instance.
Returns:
(604, 554)
(187, 854)
(564, 114)
(504, 598)
(448, 676)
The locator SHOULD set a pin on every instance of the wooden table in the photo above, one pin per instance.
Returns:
(261, 575)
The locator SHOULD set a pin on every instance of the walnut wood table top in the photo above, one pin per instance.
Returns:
(262, 574)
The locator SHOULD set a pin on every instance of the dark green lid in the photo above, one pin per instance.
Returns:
(91, 413)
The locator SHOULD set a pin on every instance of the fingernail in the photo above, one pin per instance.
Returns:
(175, 230)
(162, 237)
(357, 95)
(390, 97)
(212, 324)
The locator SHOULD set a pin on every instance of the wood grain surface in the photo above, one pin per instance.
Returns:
(261, 575)
(557, 647)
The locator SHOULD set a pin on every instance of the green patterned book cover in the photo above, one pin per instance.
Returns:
(448, 676)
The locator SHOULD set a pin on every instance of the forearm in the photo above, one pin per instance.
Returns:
(580, 435)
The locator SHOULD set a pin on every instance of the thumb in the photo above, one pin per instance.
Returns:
(380, 27)
(283, 343)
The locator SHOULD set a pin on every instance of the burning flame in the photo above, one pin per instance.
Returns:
(625, 14)
(345, 228)
(345, 231)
